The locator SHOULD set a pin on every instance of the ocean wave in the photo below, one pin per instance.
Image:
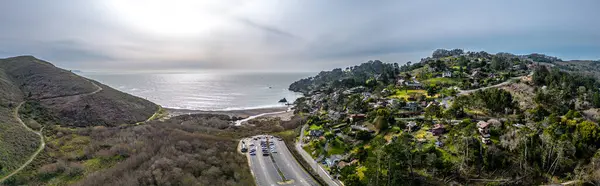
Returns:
(228, 108)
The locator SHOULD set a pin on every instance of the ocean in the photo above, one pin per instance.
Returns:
(207, 90)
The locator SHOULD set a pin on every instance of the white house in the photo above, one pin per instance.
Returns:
(447, 74)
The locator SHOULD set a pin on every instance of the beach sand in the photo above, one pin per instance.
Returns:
(239, 113)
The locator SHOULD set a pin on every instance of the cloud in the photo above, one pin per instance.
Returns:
(303, 35)
(266, 28)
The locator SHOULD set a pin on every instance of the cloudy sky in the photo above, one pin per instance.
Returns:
(287, 35)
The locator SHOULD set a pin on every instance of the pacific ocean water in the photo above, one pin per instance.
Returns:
(206, 90)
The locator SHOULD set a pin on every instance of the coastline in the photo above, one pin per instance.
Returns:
(282, 112)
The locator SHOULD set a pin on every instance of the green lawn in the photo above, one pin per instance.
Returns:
(335, 150)
(315, 127)
(441, 80)
(405, 94)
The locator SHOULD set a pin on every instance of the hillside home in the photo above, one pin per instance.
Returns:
(412, 126)
(484, 129)
(361, 128)
(438, 129)
(477, 75)
(447, 74)
(414, 85)
(412, 106)
(316, 133)
(400, 82)
(357, 117)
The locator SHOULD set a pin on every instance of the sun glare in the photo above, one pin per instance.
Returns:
(170, 18)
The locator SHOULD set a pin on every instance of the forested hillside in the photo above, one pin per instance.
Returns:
(467, 118)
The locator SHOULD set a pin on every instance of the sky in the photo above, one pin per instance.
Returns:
(290, 35)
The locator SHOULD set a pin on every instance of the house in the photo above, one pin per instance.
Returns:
(412, 126)
(360, 128)
(412, 106)
(356, 90)
(432, 103)
(357, 117)
(477, 75)
(414, 85)
(438, 129)
(518, 67)
(343, 163)
(333, 160)
(400, 82)
(316, 133)
(483, 127)
(518, 125)
(447, 74)
(366, 96)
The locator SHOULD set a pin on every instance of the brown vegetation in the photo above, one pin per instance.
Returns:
(57, 96)
(72, 99)
(186, 150)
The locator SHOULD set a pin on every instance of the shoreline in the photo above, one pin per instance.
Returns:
(281, 111)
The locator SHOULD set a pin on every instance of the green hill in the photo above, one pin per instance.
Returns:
(66, 99)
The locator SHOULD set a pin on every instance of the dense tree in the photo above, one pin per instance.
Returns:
(440, 53)
(495, 100)
(499, 63)
(589, 131)
(382, 121)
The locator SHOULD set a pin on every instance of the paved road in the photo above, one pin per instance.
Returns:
(315, 165)
(265, 170)
(465, 92)
(290, 167)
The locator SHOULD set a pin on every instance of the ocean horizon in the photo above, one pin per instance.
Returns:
(206, 90)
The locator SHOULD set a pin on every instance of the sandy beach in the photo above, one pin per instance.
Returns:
(283, 112)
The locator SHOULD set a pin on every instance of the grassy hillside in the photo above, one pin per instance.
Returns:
(108, 107)
(39, 79)
(16, 143)
(55, 96)
(72, 99)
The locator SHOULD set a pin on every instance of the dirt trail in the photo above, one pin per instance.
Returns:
(39, 133)
(34, 155)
